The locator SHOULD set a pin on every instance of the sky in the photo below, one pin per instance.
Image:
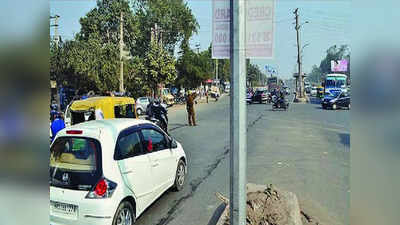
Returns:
(329, 24)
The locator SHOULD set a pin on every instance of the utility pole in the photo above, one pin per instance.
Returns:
(299, 58)
(55, 25)
(238, 123)
(56, 40)
(216, 69)
(121, 46)
(300, 80)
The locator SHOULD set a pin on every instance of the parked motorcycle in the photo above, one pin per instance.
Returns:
(180, 100)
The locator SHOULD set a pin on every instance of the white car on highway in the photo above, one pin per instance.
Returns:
(110, 171)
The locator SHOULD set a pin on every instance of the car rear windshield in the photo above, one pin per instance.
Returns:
(75, 162)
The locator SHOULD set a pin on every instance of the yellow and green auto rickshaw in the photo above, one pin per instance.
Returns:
(320, 92)
(103, 107)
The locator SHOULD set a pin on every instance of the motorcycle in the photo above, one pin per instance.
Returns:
(161, 120)
(270, 98)
(280, 103)
(180, 99)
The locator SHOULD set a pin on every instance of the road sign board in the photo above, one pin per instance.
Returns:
(339, 66)
(259, 28)
(221, 29)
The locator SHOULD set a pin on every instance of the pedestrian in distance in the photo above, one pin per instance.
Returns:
(190, 109)
(207, 96)
(57, 125)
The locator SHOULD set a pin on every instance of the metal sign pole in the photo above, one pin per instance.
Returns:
(238, 119)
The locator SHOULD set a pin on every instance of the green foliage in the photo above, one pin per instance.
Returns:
(174, 17)
(317, 74)
(194, 68)
(254, 74)
(158, 67)
(334, 53)
(91, 60)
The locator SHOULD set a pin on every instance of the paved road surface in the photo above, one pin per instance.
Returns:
(304, 150)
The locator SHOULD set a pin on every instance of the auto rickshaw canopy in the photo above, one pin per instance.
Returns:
(107, 104)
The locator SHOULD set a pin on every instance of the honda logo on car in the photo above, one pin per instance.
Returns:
(65, 178)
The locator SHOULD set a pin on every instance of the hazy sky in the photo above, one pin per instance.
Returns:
(329, 24)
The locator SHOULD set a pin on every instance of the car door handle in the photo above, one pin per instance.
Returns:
(155, 164)
(128, 172)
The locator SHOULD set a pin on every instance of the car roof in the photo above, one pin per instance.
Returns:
(93, 128)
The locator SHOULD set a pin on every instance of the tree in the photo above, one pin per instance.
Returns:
(254, 74)
(315, 76)
(193, 68)
(91, 60)
(158, 67)
(104, 22)
(335, 53)
(174, 17)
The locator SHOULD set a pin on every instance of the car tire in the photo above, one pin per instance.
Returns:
(124, 214)
(180, 176)
(323, 107)
(139, 111)
(334, 106)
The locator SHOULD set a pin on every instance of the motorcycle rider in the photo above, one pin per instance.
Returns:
(280, 99)
(156, 110)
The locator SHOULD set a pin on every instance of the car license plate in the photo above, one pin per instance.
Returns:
(64, 209)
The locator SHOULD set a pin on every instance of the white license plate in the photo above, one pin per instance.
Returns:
(64, 209)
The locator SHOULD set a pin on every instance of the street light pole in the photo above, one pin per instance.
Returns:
(238, 120)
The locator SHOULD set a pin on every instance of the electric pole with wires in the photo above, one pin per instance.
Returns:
(300, 96)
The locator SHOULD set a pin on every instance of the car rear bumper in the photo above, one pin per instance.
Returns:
(89, 211)
(86, 221)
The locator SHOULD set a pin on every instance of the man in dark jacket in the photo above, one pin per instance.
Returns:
(190, 109)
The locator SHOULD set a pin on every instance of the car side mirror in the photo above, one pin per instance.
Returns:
(172, 143)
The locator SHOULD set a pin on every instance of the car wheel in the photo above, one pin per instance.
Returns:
(323, 107)
(180, 176)
(125, 214)
(334, 107)
(139, 111)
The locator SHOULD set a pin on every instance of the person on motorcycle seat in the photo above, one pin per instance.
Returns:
(155, 109)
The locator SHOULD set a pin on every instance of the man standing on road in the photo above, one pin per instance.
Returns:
(57, 125)
(190, 109)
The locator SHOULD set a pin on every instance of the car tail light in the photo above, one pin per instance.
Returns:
(74, 132)
(103, 189)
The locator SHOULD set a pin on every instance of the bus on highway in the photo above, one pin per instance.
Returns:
(335, 83)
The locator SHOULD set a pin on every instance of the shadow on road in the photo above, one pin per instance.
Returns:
(345, 139)
(175, 126)
(315, 101)
(217, 214)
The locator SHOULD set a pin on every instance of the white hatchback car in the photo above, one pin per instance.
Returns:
(110, 171)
